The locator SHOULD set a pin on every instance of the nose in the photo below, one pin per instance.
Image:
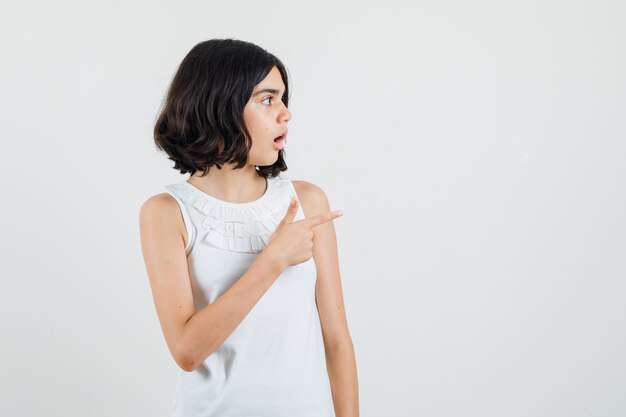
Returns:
(286, 115)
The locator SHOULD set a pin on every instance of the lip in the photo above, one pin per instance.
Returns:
(283, 135)
(280, 144)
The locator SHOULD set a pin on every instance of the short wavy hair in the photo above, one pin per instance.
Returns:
(201, 121)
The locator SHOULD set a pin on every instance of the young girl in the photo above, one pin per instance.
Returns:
(242, 261)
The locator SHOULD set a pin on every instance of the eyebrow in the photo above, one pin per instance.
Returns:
(266, 90)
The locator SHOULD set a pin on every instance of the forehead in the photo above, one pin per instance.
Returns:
(272, 82)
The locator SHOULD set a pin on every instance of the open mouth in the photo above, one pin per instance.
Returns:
(279, 142)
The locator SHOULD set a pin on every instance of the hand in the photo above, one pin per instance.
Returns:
(292, 242)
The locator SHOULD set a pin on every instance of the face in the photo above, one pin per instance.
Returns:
(266, 117)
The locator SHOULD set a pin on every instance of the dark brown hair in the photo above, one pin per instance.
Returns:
(201, 122)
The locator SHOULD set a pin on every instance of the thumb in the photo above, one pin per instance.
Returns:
(291, 211)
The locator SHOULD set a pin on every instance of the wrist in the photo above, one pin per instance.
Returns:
(273, 259)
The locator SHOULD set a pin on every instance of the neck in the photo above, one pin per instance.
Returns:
(233, 185)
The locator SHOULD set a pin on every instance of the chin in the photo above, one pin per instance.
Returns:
(266, 161)
(272, 160)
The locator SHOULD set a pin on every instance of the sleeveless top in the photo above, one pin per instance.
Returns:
(273, 364)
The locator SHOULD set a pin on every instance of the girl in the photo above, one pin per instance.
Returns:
(242, 261)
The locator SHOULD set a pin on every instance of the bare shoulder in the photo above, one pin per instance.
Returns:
(159, 205)
(312, 198)
(162, 209)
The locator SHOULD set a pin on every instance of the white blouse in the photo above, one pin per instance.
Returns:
(273, 364)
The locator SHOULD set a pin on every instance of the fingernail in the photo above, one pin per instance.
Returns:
(339, 213)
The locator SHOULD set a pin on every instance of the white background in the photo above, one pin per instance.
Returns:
(477, 150)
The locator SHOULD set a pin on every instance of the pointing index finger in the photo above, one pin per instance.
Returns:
(324, 218)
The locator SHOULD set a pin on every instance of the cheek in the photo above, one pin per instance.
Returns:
(259, 129)
(255, 125)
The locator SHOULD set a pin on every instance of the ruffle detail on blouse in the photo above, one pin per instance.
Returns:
(244, 227)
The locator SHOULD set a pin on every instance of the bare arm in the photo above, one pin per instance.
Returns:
(340, 357)
(206, 330)
(192, 336)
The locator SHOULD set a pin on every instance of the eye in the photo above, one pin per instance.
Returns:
(267, 98)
